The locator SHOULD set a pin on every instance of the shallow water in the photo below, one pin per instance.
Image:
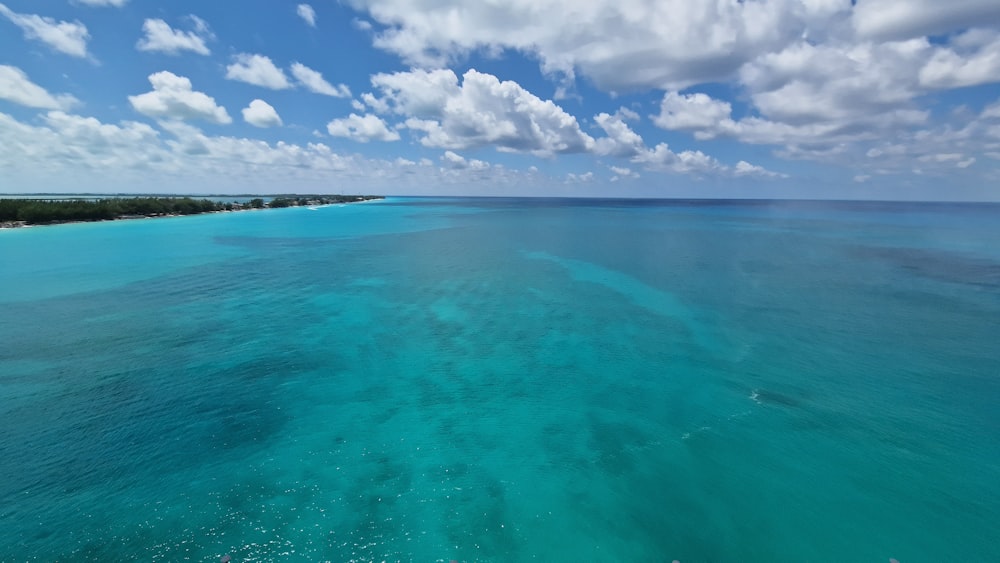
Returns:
(505, 380)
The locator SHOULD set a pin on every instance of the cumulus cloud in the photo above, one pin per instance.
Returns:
(67, 145)
(810, 83)
(757, 130)
(940, 150)
(15, 86)
(479, 111)
(620, 139)
(811, 94)
(695, 112)
(173, 98)
(66, 37)
(709, 118)
(833, 101)
(257, 70)
(818, 76)
(160, 37)
(823, 80)
(991, 111)
(362, 128)
(619, 45)
(572, 178)
(973, 58)
(459, 162)
(957, 159)
(117, 156)
(261, 114)
(306, 12)
(314, 82)
(663, 159)
(242, 156)
(622, 173)
(904, 19)
(744, 168)
(64, 152)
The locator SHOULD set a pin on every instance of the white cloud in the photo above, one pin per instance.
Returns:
(812, 94)
(173, 98)
(823, 80)
(706, 117)
(257, 70)
(15, 86)
(941, 150)
(314, 82)
(904, 19)
(68, 153)
(101, 3)
(480, 111)
(991, 111)
(63, 152)
(661, 158)
(261, 114)
(361, 25)
(835, 82)
(572, 178)
(63, 36)
(744, 168)
(160, 37)
(362, 128)
(840, 101)
(67, 145)
(691, 112)
(972, 59)
(242, 156)
(483, 111)
(379, 105)
(621, 140)
(960, 160)
(619, 45)
(622, 173)
(459, 162)
(306, 12)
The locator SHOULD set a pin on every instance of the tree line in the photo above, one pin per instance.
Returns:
(34, 211)
(40, 211)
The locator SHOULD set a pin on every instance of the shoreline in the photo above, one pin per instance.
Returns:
(11, 225)
(18, 224)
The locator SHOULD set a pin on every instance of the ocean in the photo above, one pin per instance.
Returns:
(435, 379)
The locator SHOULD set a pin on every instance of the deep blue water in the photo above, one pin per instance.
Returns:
(505, 380)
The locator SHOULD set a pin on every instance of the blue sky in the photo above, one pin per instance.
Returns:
(882, 99)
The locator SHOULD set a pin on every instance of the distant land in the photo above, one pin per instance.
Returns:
(44, 209)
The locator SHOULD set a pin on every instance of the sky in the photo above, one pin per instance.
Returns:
(811, 99)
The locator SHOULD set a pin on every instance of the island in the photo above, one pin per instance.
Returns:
(25, 211)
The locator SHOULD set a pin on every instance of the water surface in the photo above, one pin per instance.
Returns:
(505, 380)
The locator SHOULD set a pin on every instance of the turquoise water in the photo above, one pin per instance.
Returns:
(505, 380)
